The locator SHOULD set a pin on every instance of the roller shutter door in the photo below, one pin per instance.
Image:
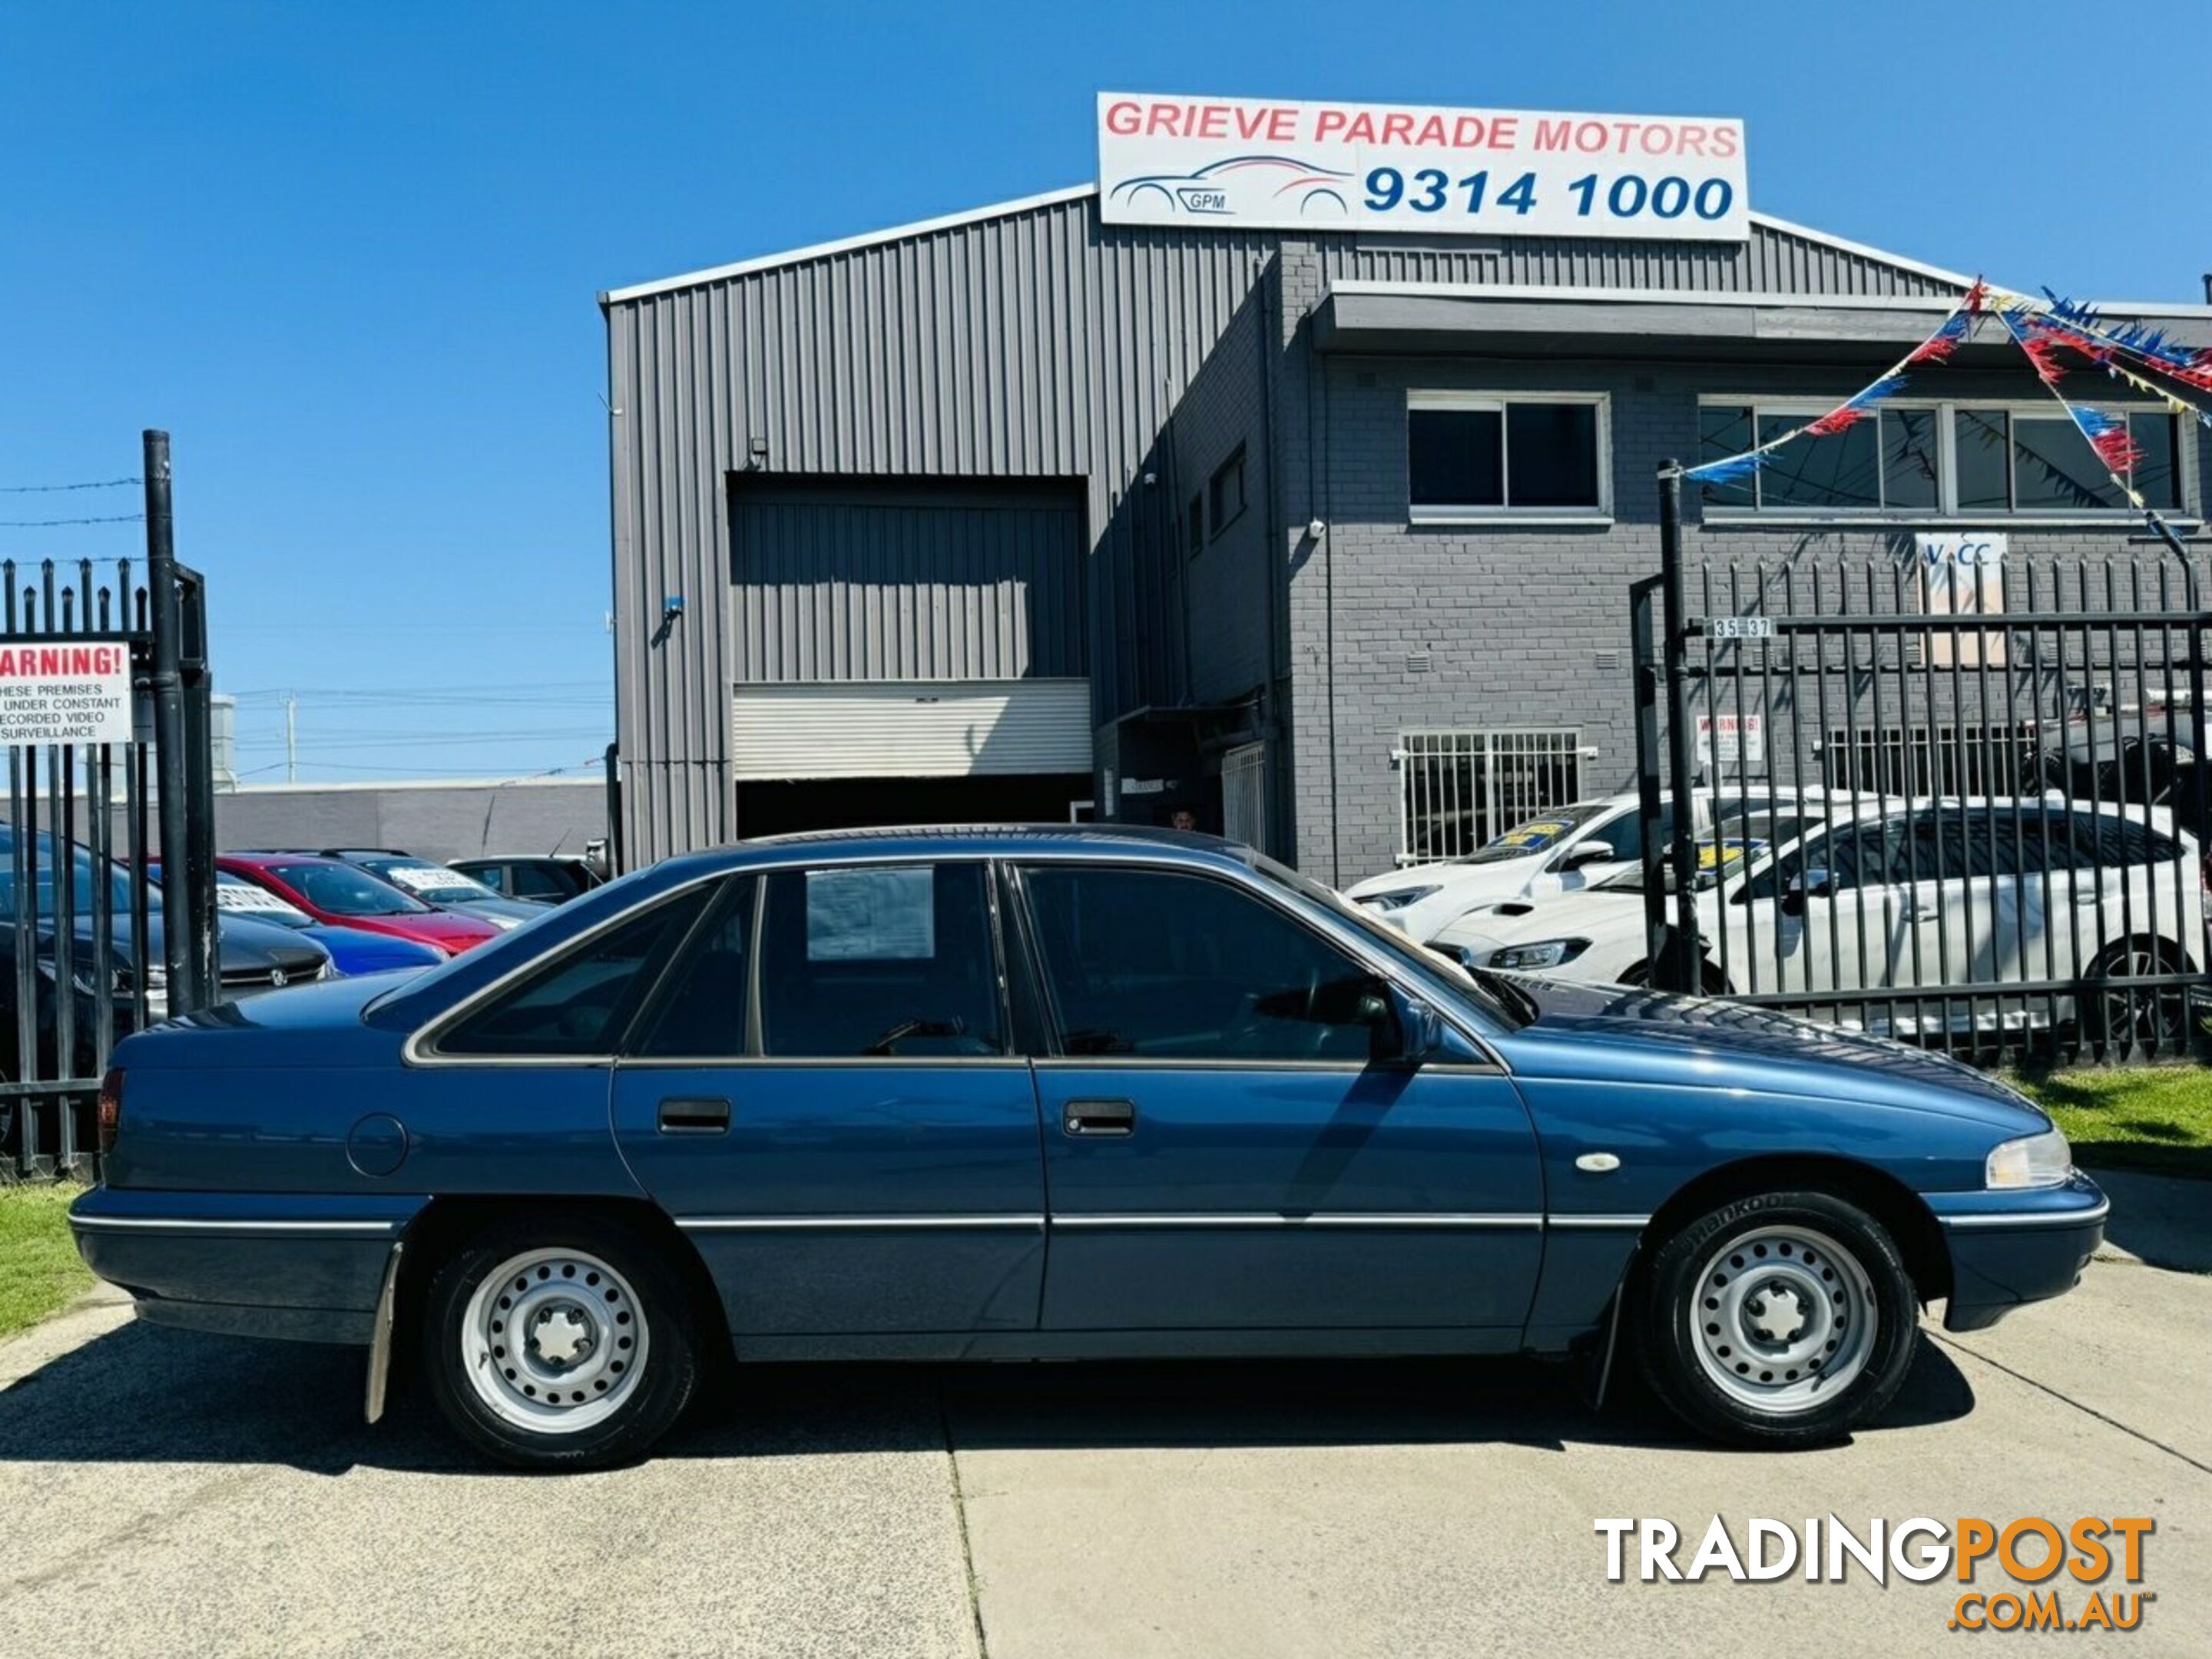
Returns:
(911, 729)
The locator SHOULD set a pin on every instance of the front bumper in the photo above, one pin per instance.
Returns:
(2009, 1249)
(305, 1266)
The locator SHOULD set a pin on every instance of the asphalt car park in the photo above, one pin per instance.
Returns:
(1317, 1508)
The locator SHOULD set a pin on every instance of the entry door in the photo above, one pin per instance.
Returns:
(1220, 1150)
(846, 1133)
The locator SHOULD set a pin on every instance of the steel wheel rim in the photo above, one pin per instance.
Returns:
(554, 1341)
(1783, 1319)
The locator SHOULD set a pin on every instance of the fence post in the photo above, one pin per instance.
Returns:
(1681, 966)
(1643, 660)
(171, 785)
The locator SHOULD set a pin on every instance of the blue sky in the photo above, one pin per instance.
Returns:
(349, 255)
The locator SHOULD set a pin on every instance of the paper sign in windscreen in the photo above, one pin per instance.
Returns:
(871, 915)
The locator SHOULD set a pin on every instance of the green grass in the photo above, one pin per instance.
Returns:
(2154, 1118)
(39, 1271)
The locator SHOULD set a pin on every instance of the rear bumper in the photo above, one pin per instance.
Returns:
(304, 1267)
(2011, 1248)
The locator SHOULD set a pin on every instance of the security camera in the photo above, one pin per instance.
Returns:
(1316, 529)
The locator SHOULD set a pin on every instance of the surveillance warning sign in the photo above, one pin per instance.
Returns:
(70, 691)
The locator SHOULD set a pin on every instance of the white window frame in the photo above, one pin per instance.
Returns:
(1496, 402)
(1496, 809)
(1946, 510)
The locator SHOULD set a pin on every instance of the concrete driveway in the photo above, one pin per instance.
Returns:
(163, 1492)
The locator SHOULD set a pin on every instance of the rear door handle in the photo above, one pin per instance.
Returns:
(1099, 1117)
(694, 1116)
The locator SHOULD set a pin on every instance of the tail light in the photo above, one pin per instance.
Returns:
(110, 1110)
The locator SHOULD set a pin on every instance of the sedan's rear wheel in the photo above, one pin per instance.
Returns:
(560, 1344)
(1781, 1320)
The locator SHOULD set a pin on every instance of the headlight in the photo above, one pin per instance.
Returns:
(1548, 953)
(1400, 899)
(2043, 1160)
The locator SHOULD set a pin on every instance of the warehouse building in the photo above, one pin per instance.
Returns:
(1318, 528)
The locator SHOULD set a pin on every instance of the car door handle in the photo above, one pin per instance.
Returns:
(1099, 1117)
(694, 1116)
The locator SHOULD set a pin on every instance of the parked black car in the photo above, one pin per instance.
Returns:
(548, 878)
(252, 957)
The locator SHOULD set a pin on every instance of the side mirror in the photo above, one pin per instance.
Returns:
(1811, 884)
(1584, 853)
(1407, 1031)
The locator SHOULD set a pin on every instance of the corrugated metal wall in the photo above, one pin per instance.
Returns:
(1032, 345)
(849, 584)
(1774, 261)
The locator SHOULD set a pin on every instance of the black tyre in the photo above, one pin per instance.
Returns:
(560, 1343)
(1786, 1319)
(2121, 1019)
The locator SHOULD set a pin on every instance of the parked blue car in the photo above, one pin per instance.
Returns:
(1051, 1093)
(353, 950)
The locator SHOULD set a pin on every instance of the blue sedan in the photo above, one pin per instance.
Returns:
(1051, 1093)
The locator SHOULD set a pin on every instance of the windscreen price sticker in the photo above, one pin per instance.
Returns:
(65, 693)
(1739, 628)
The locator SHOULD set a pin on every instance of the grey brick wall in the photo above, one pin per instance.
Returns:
(1512, 617)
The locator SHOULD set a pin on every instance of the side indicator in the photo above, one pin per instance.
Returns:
(1597, 1162)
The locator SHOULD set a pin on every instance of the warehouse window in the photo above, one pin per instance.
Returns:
(1226, 491)
(1457, 790)
(1934, 459)
(1475, 455)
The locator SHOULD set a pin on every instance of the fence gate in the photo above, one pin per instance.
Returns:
(1976, 825)
(94, 668)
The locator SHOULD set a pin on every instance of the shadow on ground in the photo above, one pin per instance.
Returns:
(143, 1394)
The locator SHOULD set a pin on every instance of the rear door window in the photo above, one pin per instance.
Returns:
(880, 962)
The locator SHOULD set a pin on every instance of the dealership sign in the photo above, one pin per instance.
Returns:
(1266, 164)
(65, 693)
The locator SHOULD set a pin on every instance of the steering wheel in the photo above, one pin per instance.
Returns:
(1242, 1037)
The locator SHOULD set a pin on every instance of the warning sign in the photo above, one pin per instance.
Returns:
(65, 692)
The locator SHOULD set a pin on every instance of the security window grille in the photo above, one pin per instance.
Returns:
(1245, 795)
(1477, 456)
(1226, 492)
(1942, 760)
(1458, 789)
(1940, 458)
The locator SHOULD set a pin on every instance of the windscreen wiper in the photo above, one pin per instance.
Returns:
(1525, 1008)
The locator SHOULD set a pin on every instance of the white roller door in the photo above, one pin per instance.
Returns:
(911, 729)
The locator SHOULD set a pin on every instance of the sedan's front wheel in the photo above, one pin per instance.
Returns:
(1783, 1319)
(559, 1345)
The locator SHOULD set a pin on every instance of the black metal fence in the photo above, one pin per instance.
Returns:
(1962, 806)
(97, 949)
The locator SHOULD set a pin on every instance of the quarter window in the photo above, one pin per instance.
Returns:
(1477, 455)
(1160, 965)
(880, 961)
(578, 1005)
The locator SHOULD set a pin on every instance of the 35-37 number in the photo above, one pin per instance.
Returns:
(1628, 195)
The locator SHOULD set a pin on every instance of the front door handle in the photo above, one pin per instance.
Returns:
(694, 1116)
(1099, 1117)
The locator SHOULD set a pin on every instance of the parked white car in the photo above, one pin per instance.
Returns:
(1562, 851)
(1999, 904)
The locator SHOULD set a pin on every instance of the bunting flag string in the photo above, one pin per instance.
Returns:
(2043, 329)
(1949, 335)
(2106, 433)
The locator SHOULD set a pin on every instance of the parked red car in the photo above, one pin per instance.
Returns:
(346, 895)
